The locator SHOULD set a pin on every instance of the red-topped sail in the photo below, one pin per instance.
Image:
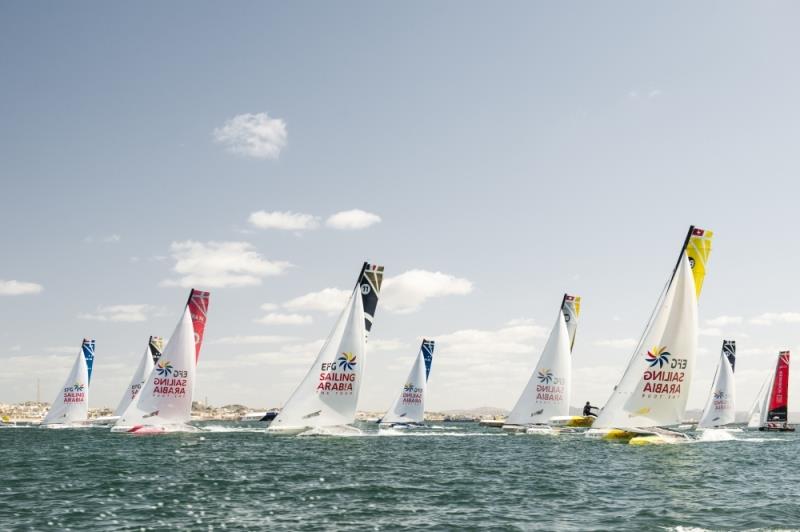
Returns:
(198, 307)
(779, 398)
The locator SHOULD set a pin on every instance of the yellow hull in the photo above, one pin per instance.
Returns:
(581, 421)
(619, 435)
(647, 440)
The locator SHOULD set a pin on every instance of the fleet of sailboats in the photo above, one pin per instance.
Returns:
(647, 406)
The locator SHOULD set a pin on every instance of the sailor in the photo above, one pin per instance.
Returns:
(587, 409)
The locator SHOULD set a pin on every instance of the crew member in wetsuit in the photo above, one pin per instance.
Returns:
(587, 410)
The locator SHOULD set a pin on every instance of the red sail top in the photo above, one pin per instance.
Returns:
(779, 400)
(198, 307)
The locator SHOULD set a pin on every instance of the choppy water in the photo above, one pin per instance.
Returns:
(457, 477)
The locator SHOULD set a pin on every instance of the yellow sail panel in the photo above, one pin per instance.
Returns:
(698, 249)
(571, 307)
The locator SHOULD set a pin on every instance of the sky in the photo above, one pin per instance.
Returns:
(490, 156)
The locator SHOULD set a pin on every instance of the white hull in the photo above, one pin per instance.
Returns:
(514, 428)
(65, 426)
(541, 430)
(155, 429)
(336, 430)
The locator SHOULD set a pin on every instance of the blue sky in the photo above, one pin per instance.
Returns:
(520, 150)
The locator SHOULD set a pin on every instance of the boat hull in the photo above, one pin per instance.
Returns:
(145, 430)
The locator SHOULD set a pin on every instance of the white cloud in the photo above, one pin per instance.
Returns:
(254, 340)
(277, 318)
(722, 321)
(220, 264)
(513, 338)
(709, 332)
(18, 288)
(123, 313)
(110, 239)
(386, 345)
(63, 350)
(330, 300)
(620, 343)
(405, 293)
(352, 219)
(768, 318)
(269, 306)
(287, 221)
(253, 135)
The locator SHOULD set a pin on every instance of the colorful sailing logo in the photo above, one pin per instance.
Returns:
(164, 368)
(347, 361)
(719, 394)
(409, 387)
(658, 356)
(78, 387)
(545, 376)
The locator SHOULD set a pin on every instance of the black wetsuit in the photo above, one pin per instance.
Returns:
(587, 410)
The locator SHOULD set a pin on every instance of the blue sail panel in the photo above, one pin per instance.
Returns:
(427, 354)
(88, 354)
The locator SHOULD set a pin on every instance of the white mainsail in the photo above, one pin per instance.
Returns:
(151, 354)
(328, 394)
(655, 386)
(165, 400)
(409, 406)
(548, 390)
(720, 408)
(756, 411)
(71, 405)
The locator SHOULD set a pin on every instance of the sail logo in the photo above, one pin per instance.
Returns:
(658, 356)
(664, 375)
(75, 393)
(347, 361)
(164, 368)
(719, 394)
(331, 379)
(545, 376)
(366, 289)
(409, 387)
(411, 394)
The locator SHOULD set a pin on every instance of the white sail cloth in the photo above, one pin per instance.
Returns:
(548, 390)
(143, 371)
(409, 406)
(655, 386)
(328, 394)
(166, 397)
(720, 408)
(71, 404)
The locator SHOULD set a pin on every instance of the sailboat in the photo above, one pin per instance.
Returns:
(325, 401)
(151, 355)
(164, 403)
(545, 399)
(408, 409)
(720, 409)
(653, 391)
(754, 414)
(775, 407)
(70, 408)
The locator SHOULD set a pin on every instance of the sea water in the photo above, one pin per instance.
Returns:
(453, 476)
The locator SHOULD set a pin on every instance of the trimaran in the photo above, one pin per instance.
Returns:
(325, 400)
(408, 409)
(651, 396)
(545, 399)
